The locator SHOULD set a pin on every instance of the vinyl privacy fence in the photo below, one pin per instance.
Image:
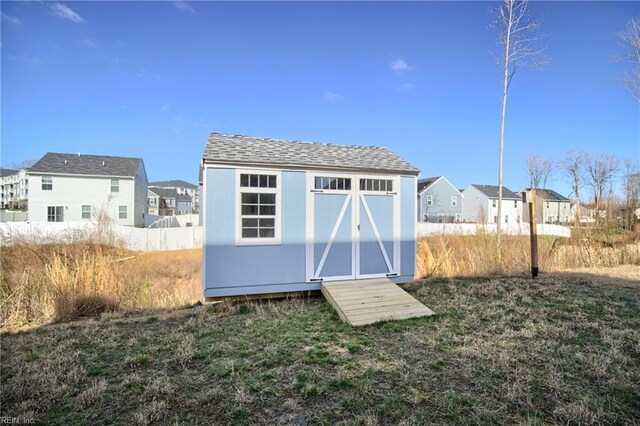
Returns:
(139, 239)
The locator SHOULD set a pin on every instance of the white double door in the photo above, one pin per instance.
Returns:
(353, 228)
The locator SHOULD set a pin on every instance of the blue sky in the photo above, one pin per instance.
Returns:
(152, 79)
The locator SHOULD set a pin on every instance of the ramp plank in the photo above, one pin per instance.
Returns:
(361, 302)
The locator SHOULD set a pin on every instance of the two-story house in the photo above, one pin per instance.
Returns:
(439, 201)
(481, 204)
(75, 187)
(165, 201)
(14, 189)
(182, 188)
(551, 207)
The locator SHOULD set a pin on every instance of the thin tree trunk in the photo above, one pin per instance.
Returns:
(505, 88)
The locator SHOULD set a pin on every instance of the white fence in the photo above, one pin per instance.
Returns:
(146, 239)
(424, 229)
(140, 239)
(13, 216)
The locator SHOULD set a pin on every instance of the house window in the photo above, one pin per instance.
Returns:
(458, 217)
(547, 204)
(55, 214)
(429, 200)
(259, 206)
(454, 201)
(86, 212)
(115, 185)
(518, 218)
(47, 183)
(515, 204)
(122, 212)
(506, 219)
(332, 183)
(440, 217)
(383, 185)
(258, 181)
(493, 203)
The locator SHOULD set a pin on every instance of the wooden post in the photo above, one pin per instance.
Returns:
(533, 228)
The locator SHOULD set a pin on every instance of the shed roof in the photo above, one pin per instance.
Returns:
(81, 164)
(246, 150)
(177, 183)
(491, 191)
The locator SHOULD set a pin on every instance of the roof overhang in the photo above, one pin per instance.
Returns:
(303, 167)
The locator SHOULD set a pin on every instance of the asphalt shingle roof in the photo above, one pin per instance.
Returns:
(424, 183)
(491, 191)
(74, 164)
(165, 193)
(184, 197)
(236, 149)
(173, 184)
(7, 172)
(550, 194)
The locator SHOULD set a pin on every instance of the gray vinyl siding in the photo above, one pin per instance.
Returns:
(140, 197)
(441, 192)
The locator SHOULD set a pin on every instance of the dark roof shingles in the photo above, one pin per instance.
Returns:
(491, 191)
(74, 164)
(177, 183)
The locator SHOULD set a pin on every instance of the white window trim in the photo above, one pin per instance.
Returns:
(277, 239)
(454, 201)
(429, 200)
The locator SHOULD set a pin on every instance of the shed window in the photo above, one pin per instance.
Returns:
(115, 185)
(259, 208)
(376, 185)
(258, 181)
(47, 183)
(332, 183)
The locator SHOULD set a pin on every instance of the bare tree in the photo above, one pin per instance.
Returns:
(601, 171)
(539, 171)
(630, 40)
(631, 183)
(518, 37)
(24, 164)
(573, 167)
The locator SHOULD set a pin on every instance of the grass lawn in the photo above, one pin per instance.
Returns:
(561, 349)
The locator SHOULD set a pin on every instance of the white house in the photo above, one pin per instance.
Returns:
(14, 189)
(75, 188)
(481, 204)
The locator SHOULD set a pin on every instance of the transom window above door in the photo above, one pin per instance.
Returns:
(384, 185)
(335, 183)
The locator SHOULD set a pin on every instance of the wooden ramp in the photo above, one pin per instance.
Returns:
(361, 302)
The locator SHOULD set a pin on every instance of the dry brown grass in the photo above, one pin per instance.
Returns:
(509, 350)
(447, 256)
(40, 283)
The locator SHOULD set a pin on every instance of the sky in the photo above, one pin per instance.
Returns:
(153, 79)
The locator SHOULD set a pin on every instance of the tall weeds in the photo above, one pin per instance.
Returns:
(40, 283)
(474, 255)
